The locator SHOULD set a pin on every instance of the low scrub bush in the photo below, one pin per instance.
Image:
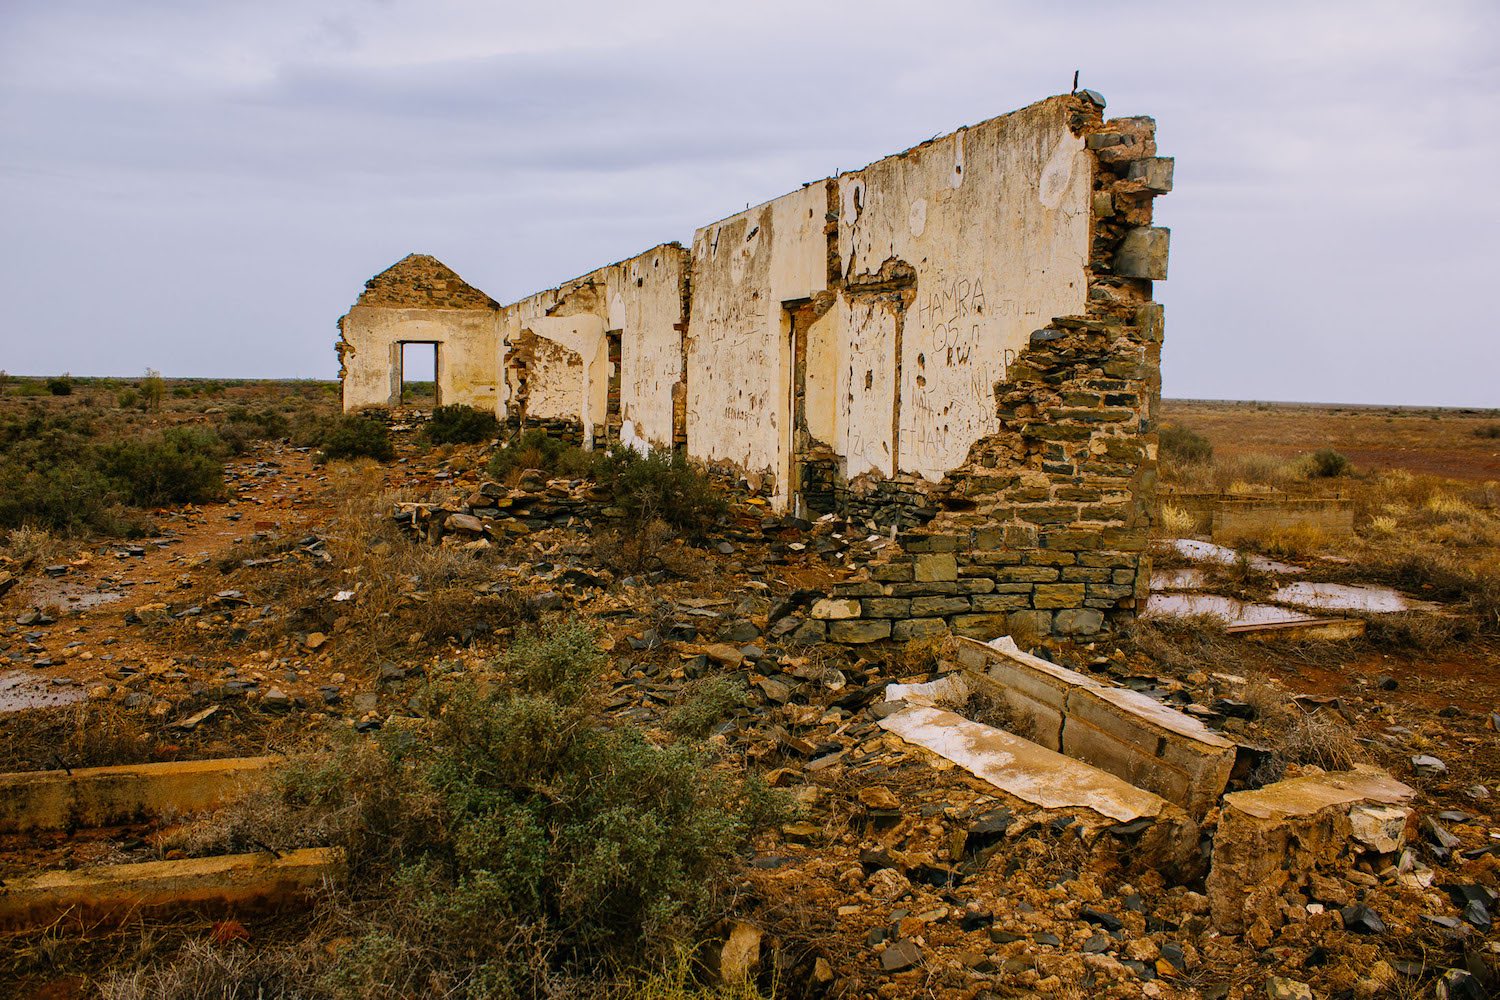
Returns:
(62, 386)
(661, 486)
(1489, 431)
(1325, 463)
(356, 435)
(1180, 444)
(459, 424)
(704, 703)
(243, 427)
(536, 449)
(510, 844)
(178, 465)
(55, 473)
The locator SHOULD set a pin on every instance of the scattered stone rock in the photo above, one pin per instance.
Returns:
(1428, 766)
(901, 955)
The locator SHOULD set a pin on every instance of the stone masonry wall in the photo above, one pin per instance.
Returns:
(1044, 528)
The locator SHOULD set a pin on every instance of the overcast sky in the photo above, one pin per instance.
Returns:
(203, 186)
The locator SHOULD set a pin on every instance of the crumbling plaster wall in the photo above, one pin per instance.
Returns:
(371, 342)
(644, 299)
(925, 274)
(744, 268)
(993, 223)
(419, 300)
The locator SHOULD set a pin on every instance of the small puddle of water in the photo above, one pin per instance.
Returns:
(20, 690)
(1231, 611)
(1346, 597)
(1199, 551)
(1178, 579)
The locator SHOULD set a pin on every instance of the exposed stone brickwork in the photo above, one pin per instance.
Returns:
(1044, 528)
(418, 281)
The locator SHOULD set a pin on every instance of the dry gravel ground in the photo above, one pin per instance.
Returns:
(898, 875)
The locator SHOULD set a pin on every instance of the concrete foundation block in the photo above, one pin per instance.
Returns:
(1124, 732)
(107, 894)
(110, 796)
(1044, 778)
(1271, 840)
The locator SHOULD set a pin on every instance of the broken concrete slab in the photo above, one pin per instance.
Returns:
(110, 893)
(1037, 775)
(1284, 831)
(109, 796)
(1126, 733)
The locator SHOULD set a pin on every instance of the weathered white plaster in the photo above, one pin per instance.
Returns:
(1001, 251)
(745, 269)
(642, 299)
(467, 340)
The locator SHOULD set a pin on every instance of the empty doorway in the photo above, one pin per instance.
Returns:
(419, 375)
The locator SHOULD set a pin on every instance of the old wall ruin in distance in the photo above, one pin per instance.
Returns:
(956, 344)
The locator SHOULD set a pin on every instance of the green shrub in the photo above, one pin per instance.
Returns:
(67, 497)
(460, 424)
(660, 485)
(704, 703)
(128, 399)
(152, 390)
(355, 435)
(1325, 463)
(242, 427)
(1488, 431)
(536, 449)
(1180, 444)
(60, 386)
(178, 465)
(512, 843)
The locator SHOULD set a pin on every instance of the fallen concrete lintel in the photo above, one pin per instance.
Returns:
(110, 893)
(1127, 733)
(1021, 768)
(109, 796)
(1277, 836)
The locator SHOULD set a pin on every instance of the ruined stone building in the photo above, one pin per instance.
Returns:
(957, 343)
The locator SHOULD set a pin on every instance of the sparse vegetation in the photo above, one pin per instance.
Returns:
(704, 704)
(661, 486)
(536, 449)
(153, 390)
(356, 435)
(1181, 444)
(459, 424)
(506, 845)
(56, 473)
(1328, 464)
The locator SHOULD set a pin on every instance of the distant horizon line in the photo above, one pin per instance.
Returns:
(1169, 399)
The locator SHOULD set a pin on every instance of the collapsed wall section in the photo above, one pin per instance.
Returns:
(600, 358)
(1042, 528)
(419, 300)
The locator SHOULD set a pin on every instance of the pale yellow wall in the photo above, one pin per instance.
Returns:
(744, 268)
(995, 221)
(642, 298)
(568, 376)
(992, 220)
(467, 340)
